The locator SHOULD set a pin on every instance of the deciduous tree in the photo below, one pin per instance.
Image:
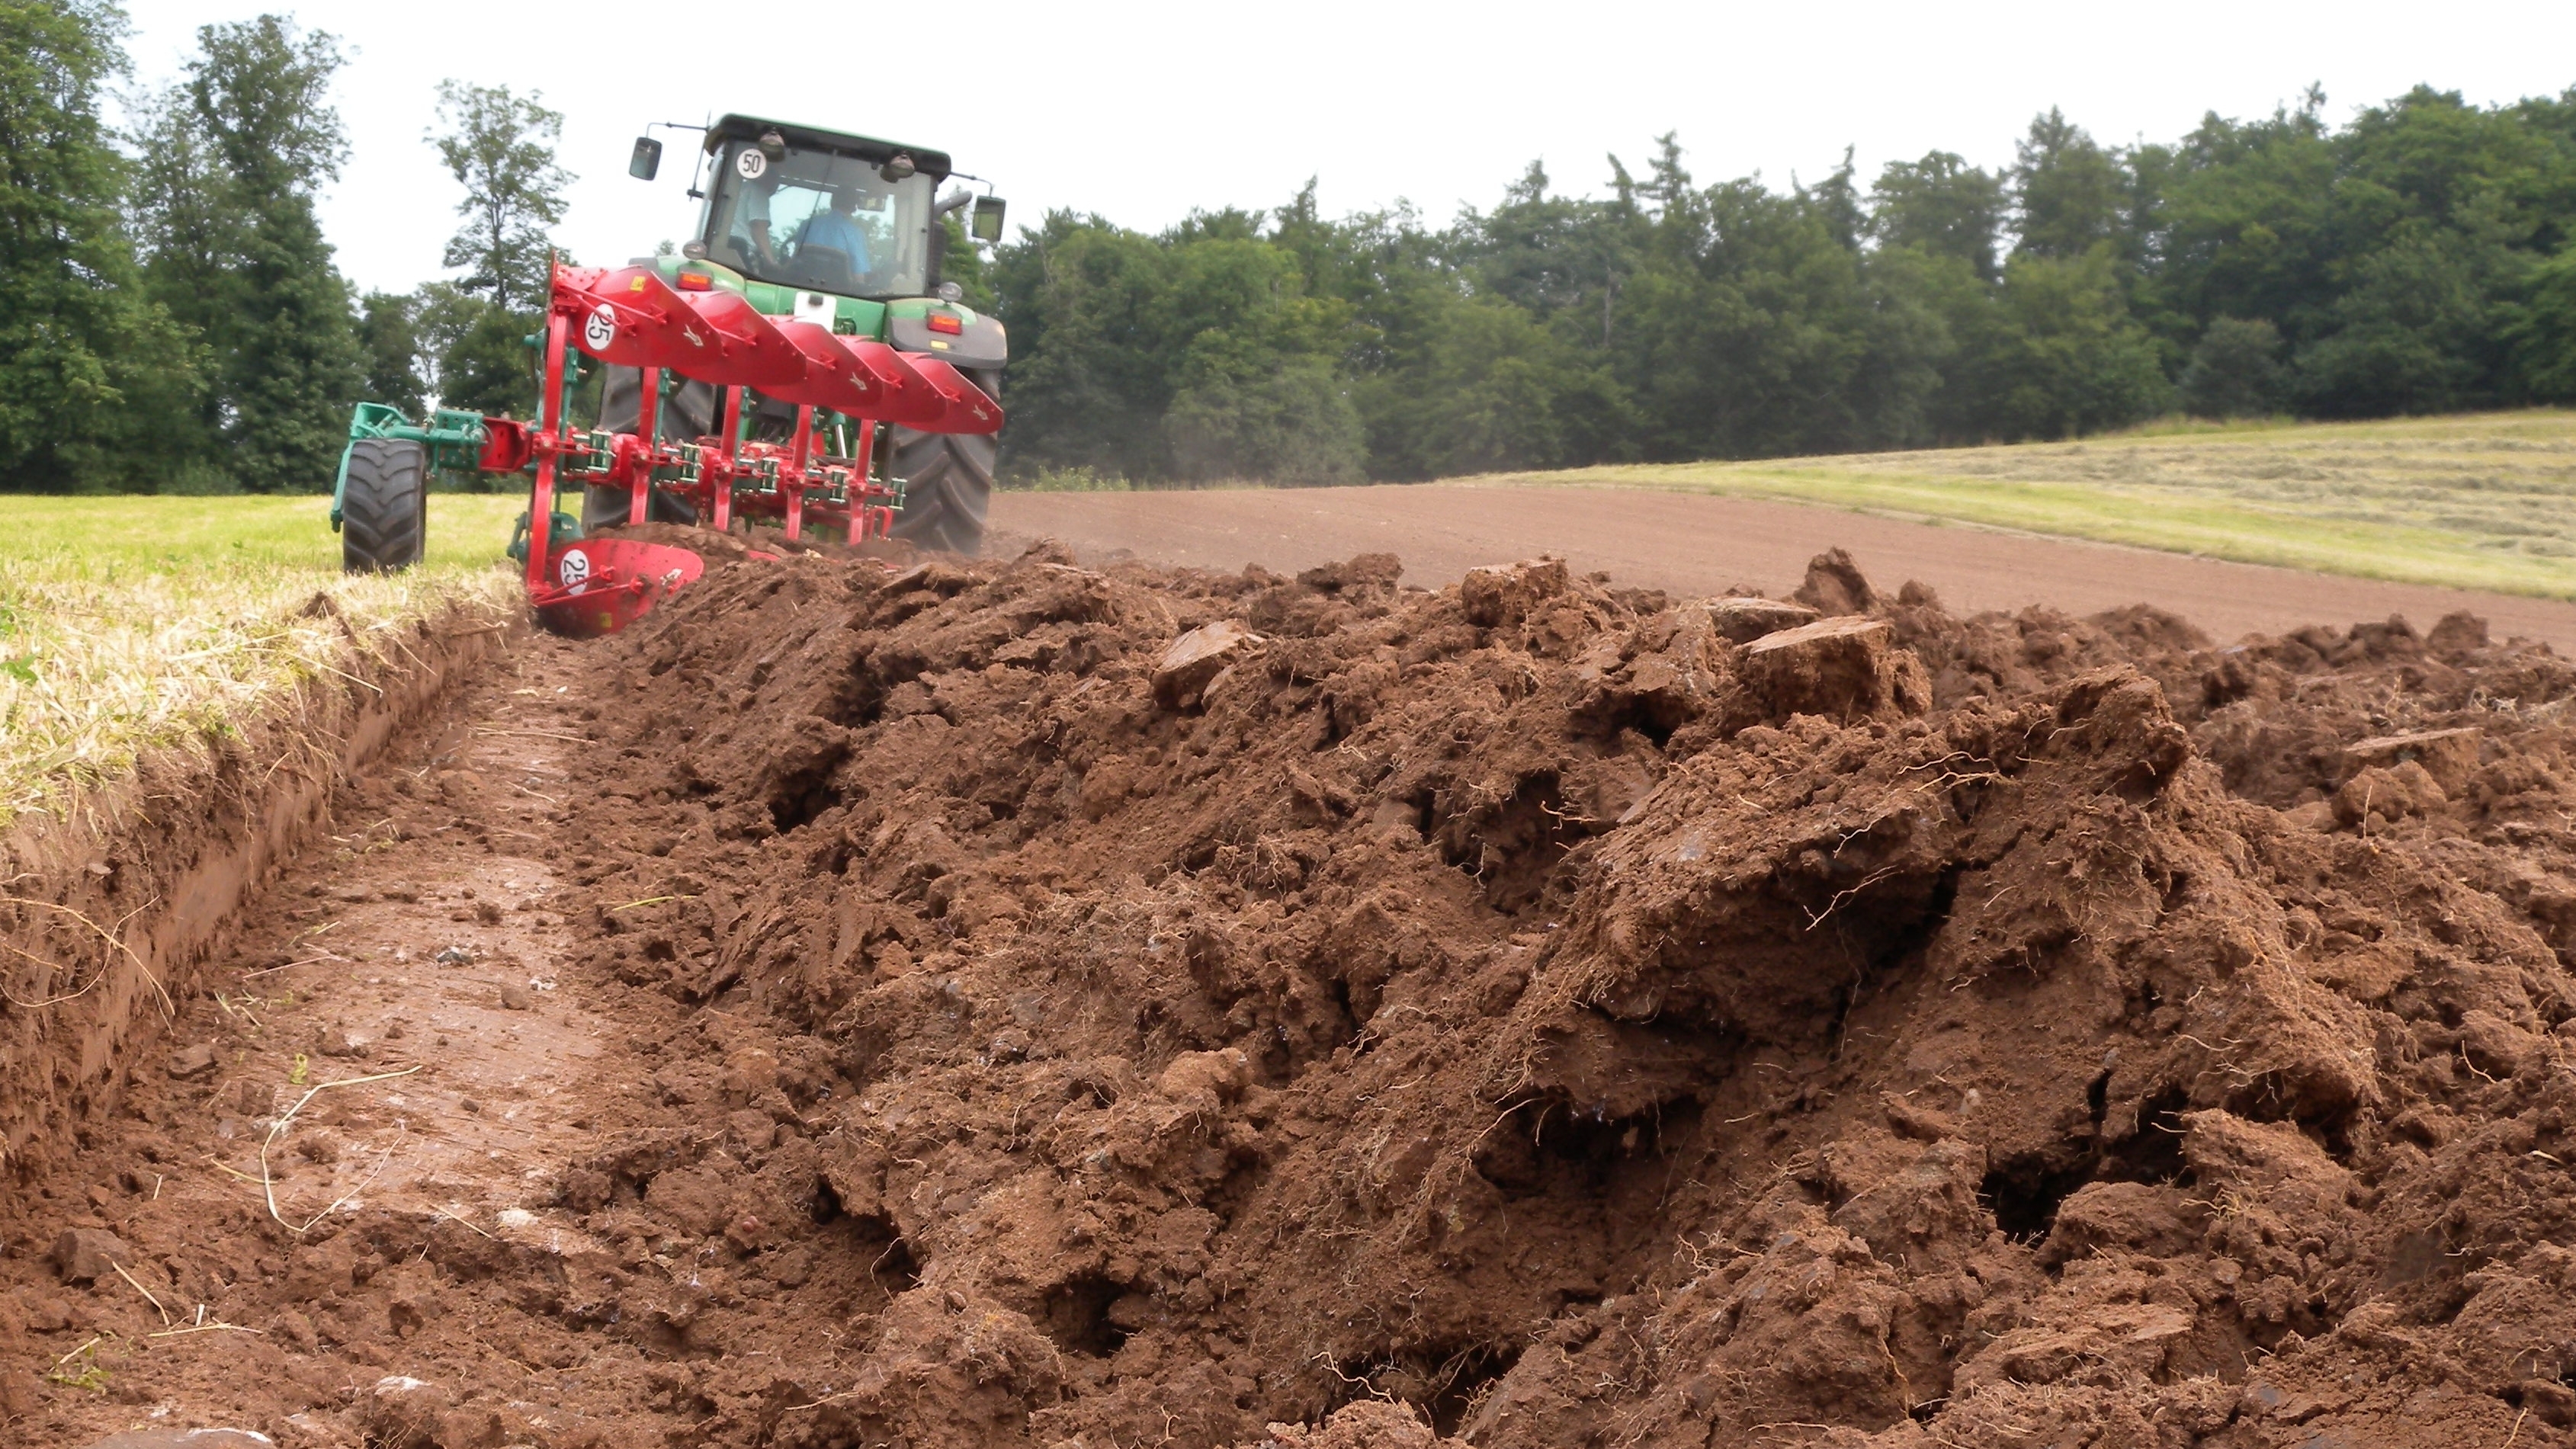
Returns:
(85, 357)
(236, 153)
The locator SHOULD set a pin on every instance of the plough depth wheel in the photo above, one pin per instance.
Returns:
(384, 521)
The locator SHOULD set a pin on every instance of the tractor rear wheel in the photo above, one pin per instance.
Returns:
(688, 413)
(384, 510)
(948, 481)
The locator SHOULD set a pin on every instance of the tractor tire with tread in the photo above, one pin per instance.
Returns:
(948, 481)
(384, 509)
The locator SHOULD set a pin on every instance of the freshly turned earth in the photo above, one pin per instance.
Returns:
(1010, 1003)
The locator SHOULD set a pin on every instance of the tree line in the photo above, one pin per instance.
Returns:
(2419, 258)
(172, 317)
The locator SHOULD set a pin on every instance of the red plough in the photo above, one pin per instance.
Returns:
(843, 389)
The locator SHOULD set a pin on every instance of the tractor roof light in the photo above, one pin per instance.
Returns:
(773, 145)
(897, 169)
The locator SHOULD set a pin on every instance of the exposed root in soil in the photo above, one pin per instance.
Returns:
(1007, 1003)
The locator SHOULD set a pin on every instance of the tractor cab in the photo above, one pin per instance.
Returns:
(818, 210)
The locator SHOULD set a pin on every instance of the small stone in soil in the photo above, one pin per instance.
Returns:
(192, 1061)
(83, 1254)
(454, 956)
(515, 997)
(334, 1041)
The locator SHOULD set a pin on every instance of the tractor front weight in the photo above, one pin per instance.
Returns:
(844, 389)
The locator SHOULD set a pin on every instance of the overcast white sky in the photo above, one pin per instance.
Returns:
(1141, 112)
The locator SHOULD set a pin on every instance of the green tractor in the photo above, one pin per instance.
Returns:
(799, 359)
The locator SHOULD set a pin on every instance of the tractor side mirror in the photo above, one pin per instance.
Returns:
(647, 159)
(987, 223)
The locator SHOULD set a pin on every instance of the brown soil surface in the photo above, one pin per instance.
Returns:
(1691, 544)
(110, 908)
(1011, 1004)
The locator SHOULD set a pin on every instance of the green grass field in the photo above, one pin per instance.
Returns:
(260, 537)
(2484, 501)
(127, 623)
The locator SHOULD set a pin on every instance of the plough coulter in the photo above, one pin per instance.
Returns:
(782, 368)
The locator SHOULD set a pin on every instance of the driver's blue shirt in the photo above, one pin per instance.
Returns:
(829, 228)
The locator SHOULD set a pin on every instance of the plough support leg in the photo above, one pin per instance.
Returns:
(793, 482)
(720, 514)
(860, 464)
(541, 504)
(639, 505)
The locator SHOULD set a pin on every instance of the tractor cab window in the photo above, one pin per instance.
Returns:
(819, 220)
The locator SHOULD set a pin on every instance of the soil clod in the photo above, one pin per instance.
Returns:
(83, 1255)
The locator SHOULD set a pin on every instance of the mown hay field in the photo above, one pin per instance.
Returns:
(127, 623)
(2478, 501)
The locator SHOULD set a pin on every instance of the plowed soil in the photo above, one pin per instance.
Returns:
(1010, 1003)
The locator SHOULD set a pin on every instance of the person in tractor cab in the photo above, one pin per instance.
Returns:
(751, 220)
(833, 229)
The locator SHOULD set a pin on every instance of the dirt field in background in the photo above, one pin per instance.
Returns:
(1700, 545)
(1012, 1004)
